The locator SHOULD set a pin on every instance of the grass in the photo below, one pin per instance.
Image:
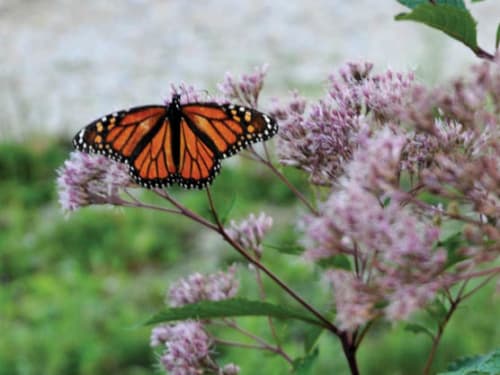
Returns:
(75, 290)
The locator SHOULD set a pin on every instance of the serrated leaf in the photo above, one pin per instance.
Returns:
(233, 307)
(414, 3)
(450, 19)
(304, 365)
(418, 328)
(497, 40)
(339, 261)
(488, 364)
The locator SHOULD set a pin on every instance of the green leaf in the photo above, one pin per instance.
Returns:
(437, 310)
(433, 199)
(304, 365)
(453, 20)
(386, 202)
(230, 308)
(339, 261)
(497, 40)
(227, 211)
(418, 328)
(412, 4)
(292, 249)
(488, 364)
(452, 244)
(311, 338)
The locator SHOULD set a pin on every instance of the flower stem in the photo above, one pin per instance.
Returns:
(324, 321)
(280, 175)
(262, 344)
(349, 348)
(262, 293)
(437, 338)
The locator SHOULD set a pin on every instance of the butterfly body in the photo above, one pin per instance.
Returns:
(178, 143)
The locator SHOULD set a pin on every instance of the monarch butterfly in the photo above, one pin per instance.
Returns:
(183, 144)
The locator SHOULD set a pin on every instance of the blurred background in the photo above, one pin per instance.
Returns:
(75, 290)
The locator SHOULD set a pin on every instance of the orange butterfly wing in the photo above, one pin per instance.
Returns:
(198, 162)
(140, 137)
(178, 143)
(210, 132)
(230, 128)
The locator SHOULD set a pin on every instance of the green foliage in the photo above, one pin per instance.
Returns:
(453, 244)
(451, 17)
(339, 261)
(75, 291)
(22, 166)
(304, 366)
(418, 328)
(312, 337)
(235, 307)
(488, 364)
(412, 4)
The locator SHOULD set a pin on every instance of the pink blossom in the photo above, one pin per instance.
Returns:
(321, 138)
(363, 218)
(90, 179)
(354, 304)
(249, 233)
(186, 347)
(198, 287)
(188, 94)
(244, 89)
(229, 369)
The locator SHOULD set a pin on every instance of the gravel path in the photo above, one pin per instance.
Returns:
(64, 62)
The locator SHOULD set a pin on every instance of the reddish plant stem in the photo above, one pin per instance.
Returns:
(348, 345)
(349, 348)
(265, 345)
(324, 321)
(454, 302)
(262, 293)
(491, 272)
(437, 338)
(481, 53)
(258, 347)
(292, 188)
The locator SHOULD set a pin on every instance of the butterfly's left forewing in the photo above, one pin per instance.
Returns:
(140, 137)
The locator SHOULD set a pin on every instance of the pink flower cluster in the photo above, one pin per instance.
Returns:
(249, 233)
(90, 179)
(187, 346)
(393, 246)
(188, 349)
(244, 89)
(321, 137)
(387, 232)
(198, 287)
